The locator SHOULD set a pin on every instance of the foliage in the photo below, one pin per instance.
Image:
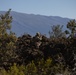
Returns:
(42, 68)
(71, 25)
(26, 48)
(57, 32)
(7, 40)
(36, 55)
(5, 21)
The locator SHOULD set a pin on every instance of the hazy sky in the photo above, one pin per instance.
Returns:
(63, 8)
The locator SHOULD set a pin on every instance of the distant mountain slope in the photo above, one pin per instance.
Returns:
(30, 23)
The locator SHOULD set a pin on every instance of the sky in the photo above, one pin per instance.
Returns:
(62, 8)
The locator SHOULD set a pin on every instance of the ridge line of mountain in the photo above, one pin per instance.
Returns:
(32, 23)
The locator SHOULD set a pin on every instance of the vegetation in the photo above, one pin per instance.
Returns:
(57, 31)
(37, 55)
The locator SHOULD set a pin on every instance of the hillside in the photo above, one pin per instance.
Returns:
(31, 23)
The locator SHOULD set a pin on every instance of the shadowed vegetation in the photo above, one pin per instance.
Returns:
(37, 55)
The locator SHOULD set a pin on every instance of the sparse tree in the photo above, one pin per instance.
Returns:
(5, 22)
(7, 40)
(71, 25)
(57, 32)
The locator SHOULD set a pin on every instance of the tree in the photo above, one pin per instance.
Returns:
(56, 31)
(7, 40)
(71, 25)
(5, 22)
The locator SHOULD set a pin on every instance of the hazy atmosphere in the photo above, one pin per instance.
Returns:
(63, 8)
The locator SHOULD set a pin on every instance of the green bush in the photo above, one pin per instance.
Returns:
(41, 67)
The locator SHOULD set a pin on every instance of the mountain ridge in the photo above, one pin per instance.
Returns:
(32, 23)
